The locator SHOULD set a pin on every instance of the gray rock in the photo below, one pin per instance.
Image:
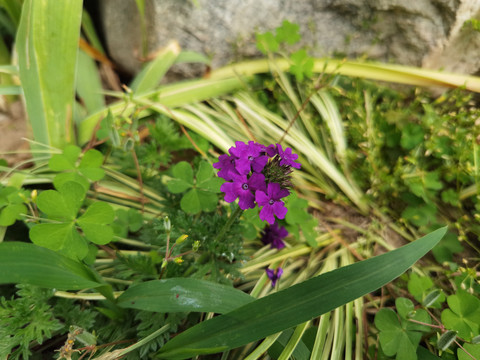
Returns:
(401, 31)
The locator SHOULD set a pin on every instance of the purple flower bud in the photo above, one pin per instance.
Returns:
(272, 205)
(274, 235)
(274, 275)
(287, 157)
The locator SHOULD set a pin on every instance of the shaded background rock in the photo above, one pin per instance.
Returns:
(409, 32)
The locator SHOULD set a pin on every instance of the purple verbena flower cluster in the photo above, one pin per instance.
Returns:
(258, 174)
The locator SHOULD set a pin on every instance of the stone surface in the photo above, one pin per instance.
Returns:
(402, 31)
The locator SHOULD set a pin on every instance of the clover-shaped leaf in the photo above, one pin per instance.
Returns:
(73, 166)
(398, 336)
(126, 221)
(66, 231)
(473, 350)
(463, 314)
(93, 223)
(11, 205)
(419, 287)
(201, 194)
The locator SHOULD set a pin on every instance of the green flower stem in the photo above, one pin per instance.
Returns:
(228, 224)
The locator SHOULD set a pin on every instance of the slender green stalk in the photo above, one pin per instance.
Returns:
(263, 347)
(294, 340)
(228, 224)
(146, 340)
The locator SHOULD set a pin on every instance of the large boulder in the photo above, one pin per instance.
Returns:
(409, 32)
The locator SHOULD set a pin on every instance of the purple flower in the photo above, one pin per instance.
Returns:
(274, 275)
(244, 189)
(272, 205)
(249, 157)
(274, 235)
(287, 157)
(226, 164)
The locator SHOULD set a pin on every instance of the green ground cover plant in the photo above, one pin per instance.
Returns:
(261, 213)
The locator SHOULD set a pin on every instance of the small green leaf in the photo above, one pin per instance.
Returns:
(288, 33)
(412, 135)
(205, 172)
(11, 213)
(66, 160)
(51, 236)
(52, 203)
(90, 165)
(473, 350)
(197, 200)
(266, 42)
(177, 186)
(463, 315)
(183, 171)
(97, 233)
(98, 213)
(63, 178)
(75, 246)
(73, 194)
(404, 306)
(212, 184)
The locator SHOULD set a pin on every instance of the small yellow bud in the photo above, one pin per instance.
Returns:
(178, 260)
(181, 239)
(34, 195)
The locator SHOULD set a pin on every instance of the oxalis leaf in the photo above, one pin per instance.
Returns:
(297, 304)
(30, 264)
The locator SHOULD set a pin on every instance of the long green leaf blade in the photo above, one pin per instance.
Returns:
(25, 263)
(152, 73)
(298, 303)
(183, 295)
(47, 44)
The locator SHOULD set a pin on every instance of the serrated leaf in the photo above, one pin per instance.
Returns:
(51, 236)
(266, 42)
(288, 33)
(30, 264)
